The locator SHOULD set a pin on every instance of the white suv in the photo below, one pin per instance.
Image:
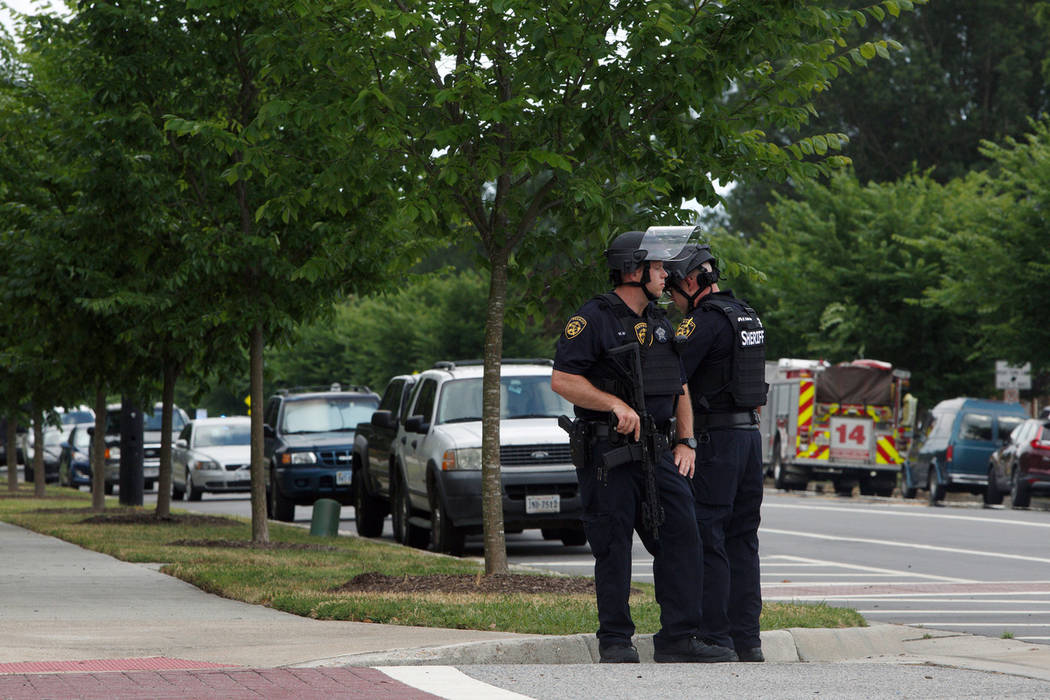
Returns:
(437, 457)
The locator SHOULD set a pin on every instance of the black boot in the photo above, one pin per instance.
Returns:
(622, 653)
(691, 650)
(754, 654)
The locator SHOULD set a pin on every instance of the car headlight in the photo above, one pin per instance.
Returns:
(298, 458)
(205, 464)
(463, 459)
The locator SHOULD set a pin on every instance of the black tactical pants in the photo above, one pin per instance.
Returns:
(612, 512)
(728, 489)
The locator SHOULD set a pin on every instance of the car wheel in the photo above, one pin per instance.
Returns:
(934, 488)
(411, 535)
(550, 533)
(445, 537)
(573, 536)
(178, 492)
(281, 508)
(780, 477)
(906, 490)
(1020, 491)
(843, 488)
(369, 510)
(992, 495)
(193, 493)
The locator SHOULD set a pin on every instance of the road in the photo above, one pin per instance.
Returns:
(960, 567)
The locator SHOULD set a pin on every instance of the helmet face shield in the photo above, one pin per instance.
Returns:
(665, 243)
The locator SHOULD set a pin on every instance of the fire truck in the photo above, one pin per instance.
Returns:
(849, 423)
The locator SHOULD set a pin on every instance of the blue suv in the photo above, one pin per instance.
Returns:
(955, 442)
(309, 441)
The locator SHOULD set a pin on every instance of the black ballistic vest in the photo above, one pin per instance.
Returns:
(743, 375)
(661, 371)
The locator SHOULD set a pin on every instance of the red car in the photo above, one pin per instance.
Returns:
(1022, 465)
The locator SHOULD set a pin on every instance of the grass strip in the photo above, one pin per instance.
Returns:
(300, 574)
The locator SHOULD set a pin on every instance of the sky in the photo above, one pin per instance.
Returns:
(27, 6)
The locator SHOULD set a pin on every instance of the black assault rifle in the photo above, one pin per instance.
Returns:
(646, 450)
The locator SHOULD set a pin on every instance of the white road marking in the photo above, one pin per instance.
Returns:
(448, 682)
(908, 545)
(877, 570)
(766, 572)
(904, 598)
(922, 513)
(932, 623)
(953, 612)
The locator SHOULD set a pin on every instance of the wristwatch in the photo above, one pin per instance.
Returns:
(688, 442)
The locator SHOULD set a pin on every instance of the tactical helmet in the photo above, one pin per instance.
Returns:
(691, 257)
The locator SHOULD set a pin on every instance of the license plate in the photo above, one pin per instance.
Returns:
(543, 504)
(343, 478)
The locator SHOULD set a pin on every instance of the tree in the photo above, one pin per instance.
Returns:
(847, 270)
(539, 123)
(969, 71)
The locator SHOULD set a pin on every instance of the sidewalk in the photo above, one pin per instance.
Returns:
(76, 623)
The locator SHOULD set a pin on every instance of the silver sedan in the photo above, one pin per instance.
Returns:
(214, 455)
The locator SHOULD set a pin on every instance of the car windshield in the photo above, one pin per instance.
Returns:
(221, 435)
(154, 422)
(327, 414)
(1007, 425)
(71, 417)
(520, 397)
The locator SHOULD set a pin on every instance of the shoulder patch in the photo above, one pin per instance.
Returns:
(685, 328)
(641, 331)
(575, 326)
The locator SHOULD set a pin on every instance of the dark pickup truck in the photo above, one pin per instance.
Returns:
(373, 457)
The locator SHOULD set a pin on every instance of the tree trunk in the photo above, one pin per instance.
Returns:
(10, 436)
(39, 478)
(260, 528)
(98, 454)
(491, 479)
(164, 476)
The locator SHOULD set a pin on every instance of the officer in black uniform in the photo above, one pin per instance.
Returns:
(722, 345)
(615, 499)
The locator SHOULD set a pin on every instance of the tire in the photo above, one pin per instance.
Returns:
(405, 532)
(1020, 492)
(880, 486)
(397, 517)
(444, 536)
(281, 508)
(907, 491)
(550, 533)
(780, 479)
(935, 489)
(194, 494)
(369, 510)
(992, 495)
(178, 494)
(843, 488)
(147, 485)
(573, 537)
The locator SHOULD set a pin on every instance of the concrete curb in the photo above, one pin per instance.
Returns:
(881, 643)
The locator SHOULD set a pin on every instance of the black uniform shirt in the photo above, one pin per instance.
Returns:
(587, 337)
(708, 351)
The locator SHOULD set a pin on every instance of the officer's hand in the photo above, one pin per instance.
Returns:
(685, 460)
(627, 420)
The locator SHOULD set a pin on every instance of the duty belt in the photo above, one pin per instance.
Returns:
(600, 430)
(714, 421)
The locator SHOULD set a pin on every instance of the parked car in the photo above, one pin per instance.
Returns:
(309, 439)
(1021, 467)
(214, 455)
(374, 456)
(58, 417)
(151, 433)
(954, 446)
(74, 461)
(53, 439)
(437, 494)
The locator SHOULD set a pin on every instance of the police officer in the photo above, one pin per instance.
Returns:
(722, 344)
(614, 498)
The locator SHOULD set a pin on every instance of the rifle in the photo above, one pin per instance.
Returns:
(644, 450)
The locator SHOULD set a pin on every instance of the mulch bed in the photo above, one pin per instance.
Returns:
(30, 494)
(375, 582)
(138, 517)
(243, 544)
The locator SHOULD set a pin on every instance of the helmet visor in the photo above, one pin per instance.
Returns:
(665, 243)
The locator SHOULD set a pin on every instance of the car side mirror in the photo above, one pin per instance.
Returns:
(268, 432)
(417, 424)
(382, 419)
